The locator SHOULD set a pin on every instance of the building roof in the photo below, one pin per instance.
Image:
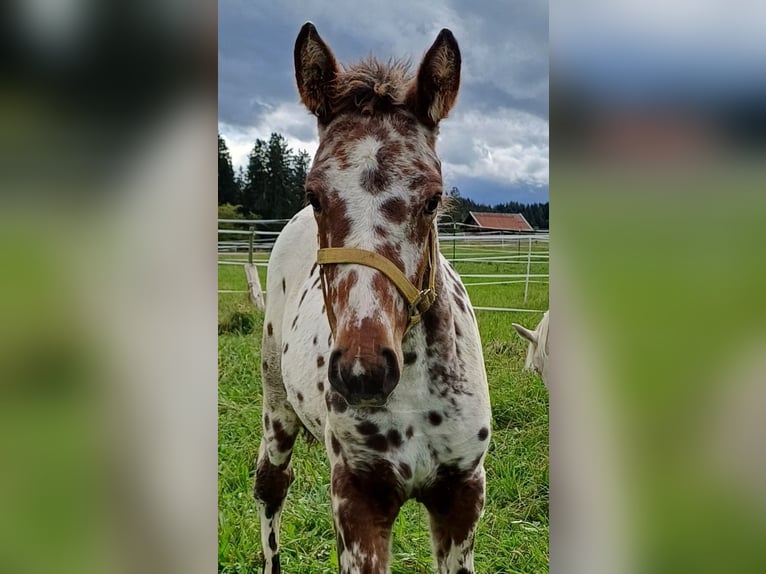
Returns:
(504, 221)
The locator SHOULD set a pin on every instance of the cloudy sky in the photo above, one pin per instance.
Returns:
(494, 145)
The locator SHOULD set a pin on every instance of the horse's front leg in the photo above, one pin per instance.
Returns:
(455, 502)
(365, 504)
(274, 473)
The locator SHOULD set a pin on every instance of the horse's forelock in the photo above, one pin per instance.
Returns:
(371, 86)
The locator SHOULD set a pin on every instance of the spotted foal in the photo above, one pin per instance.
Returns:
(370, 341)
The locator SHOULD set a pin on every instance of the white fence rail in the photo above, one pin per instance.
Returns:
(516, 252)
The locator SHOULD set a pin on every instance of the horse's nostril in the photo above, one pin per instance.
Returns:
(367, 380)
(392, 373)
(334, 372)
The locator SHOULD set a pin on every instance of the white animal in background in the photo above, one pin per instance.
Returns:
(537, 354)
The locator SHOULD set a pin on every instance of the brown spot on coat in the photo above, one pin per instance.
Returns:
(284, 286)
(409, 432)
(320, 361)
(344, 289)
(483, 433)
(269, 329)
(394, 210)
(271, 484)
(370, 501)
(434, 418)
(335, 444)
(367, 428)
(374, 180)
(410, 358)
(285, 440)
(394, 438)
(454, 502)
(335, 402)
(334, 225)
(377, 442)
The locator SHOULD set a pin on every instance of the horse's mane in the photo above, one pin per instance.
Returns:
(371, 86)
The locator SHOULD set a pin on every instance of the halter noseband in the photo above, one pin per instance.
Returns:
(419, 299)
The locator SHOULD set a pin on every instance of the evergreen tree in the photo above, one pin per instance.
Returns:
(278, 177)
(300, 169)
(255, 189)
(272, 185)
(239, 179)
(228, 190)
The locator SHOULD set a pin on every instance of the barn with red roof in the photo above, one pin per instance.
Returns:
(514, 222)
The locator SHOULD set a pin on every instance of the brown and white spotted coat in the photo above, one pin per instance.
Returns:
(401, 416)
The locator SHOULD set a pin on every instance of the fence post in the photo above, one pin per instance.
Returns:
(529, 264)
(454, 240)
(250, 250)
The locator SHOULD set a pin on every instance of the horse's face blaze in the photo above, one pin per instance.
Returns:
(366, 178)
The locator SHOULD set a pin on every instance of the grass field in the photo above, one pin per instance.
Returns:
(512, 535)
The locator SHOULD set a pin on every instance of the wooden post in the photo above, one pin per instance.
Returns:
(254, 285)
(251, 273)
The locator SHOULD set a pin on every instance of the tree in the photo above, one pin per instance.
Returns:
(279, 175)
(299, 171)
(274, 179)
(228, 190)
(457, 207)
(255, 188)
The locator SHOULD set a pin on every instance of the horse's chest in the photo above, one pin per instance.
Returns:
(415, 442)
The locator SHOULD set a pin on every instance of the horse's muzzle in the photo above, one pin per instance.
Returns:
(364, 381)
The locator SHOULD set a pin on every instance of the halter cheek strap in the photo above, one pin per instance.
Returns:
(419, 299)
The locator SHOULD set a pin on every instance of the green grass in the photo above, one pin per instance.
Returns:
(512, 535)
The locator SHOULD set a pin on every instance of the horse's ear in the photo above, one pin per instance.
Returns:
(525, 333)
(315, 71)
(435, 89)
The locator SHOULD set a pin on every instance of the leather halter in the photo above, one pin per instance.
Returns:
(419, 299)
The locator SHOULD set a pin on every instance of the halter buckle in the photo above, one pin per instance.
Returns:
(423, 301)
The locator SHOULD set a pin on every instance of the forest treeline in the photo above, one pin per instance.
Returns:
(271, 187)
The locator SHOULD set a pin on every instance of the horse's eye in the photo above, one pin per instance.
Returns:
(313, 199)
(433, 203)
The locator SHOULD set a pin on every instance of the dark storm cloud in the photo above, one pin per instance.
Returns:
(504, 78)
